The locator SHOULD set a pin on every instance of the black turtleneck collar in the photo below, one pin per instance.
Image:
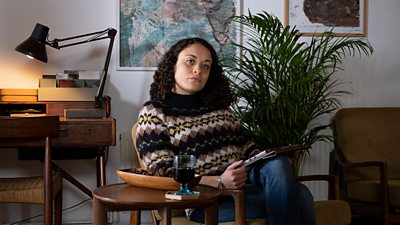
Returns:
(184, 101)
(182, 105)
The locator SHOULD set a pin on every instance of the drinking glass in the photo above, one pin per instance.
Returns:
(184, 166)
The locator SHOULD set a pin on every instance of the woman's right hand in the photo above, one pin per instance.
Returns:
(234, 177)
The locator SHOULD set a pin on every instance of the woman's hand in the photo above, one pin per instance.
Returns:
(234, 177)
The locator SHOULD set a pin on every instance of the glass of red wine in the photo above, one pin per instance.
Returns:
(184, 166)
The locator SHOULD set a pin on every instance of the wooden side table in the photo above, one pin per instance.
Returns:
(124, 197)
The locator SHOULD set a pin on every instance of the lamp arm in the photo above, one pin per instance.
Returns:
(99, 99)
(56, 42)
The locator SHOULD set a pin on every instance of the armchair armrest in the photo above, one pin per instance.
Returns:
(379, 164)
(333, 183)
(345, 164)
(383, 178)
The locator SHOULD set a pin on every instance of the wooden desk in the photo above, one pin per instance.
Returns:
(82, 133)
(86, 133)
(124, 197)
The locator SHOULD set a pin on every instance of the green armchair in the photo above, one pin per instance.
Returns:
(367, 154)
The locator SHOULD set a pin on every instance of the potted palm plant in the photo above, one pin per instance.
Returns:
(284, 84)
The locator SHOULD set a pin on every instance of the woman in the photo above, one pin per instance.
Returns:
(189, 114)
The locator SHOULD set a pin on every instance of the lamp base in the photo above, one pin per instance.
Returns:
(85, 113)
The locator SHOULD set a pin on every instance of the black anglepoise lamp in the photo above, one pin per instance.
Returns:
(35, 47)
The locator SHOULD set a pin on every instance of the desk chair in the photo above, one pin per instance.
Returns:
(14, 132)
(328, 212)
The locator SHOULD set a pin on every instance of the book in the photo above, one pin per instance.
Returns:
(291, 148)
(66, 83)
(27, 114)
(89, 75)
(85, 113)
(18, 91)
(269, 153)
(18, 98)
(49, 76)
(172, 195)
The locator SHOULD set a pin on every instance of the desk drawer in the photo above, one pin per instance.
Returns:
(96, 133)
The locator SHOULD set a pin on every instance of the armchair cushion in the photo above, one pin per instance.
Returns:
(332, 212)
(368, 191)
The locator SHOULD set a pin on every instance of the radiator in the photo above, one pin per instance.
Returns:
(127, 154)
(317, 162)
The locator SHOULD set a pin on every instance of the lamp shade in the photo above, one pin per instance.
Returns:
(35, 45)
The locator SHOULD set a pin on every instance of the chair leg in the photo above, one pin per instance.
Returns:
(58, 207)
(385, 218)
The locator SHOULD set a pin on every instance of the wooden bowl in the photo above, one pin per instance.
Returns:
(155, 182)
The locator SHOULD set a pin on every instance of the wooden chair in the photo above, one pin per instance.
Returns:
(328, 212)
(36, 131)
(367, 153)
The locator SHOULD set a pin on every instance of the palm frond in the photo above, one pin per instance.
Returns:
(285, 85)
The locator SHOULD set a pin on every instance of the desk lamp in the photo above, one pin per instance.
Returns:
(35, 47)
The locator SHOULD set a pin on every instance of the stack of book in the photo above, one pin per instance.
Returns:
(18, 95)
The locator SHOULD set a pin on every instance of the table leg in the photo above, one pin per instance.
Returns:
(100, 163)
(211, 214)
(165, 215)
(135, 217)
(99, 212)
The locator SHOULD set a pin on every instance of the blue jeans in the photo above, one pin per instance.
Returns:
(272, 193)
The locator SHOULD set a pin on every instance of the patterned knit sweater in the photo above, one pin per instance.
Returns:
(182, 124)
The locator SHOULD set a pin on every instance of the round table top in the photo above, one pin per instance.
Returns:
(145, 198)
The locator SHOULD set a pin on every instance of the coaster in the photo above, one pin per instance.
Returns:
(174, 196)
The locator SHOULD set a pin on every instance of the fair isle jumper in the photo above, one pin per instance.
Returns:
(183, 124)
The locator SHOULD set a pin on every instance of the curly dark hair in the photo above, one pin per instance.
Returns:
(216, 92)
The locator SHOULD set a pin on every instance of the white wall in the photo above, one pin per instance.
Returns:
(375, 79)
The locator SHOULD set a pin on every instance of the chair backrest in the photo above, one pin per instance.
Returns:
(29, 127)
(369, 134)
(138, 160)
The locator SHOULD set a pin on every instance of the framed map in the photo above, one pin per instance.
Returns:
(312, 17)
(149, 27)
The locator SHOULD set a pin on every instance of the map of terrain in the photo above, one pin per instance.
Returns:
(149, 27)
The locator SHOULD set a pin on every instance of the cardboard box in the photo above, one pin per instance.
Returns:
(66, 94)
(47, 83)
